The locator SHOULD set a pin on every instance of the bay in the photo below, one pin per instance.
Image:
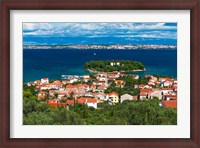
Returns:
(52, 63)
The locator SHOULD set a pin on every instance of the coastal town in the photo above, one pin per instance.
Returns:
(109, 46)
(100, 73)
(100, 87)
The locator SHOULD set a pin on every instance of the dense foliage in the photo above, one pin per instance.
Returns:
(127, 113)
(114, 65)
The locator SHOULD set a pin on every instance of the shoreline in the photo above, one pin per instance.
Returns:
(95, 71)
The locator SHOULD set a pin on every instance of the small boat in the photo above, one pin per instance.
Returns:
(94, 53)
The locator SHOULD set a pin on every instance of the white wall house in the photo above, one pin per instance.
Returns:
(167, 91)
(92, 104)
(126, 97)
(45, 80)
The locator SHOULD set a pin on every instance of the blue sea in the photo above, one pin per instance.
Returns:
(52, 63)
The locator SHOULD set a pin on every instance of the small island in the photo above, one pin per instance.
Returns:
(114, 65)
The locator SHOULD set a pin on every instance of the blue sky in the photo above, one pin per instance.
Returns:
(99, 33)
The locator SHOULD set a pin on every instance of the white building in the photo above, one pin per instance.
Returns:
(44, 80)
(126, 97)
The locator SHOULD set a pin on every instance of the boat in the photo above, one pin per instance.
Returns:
(94, 53)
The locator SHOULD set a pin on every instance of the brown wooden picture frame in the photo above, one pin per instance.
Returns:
(192, 5)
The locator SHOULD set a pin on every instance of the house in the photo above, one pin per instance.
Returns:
(151, 82)
(135, 97)
(82, 88)
(31, 84)
(102, 79)
(126, 97)
(45, 86)
(168, 83)
(53, 101)
(154, 79)
(72, 80)
(52, 93)
(99, 83)
(100, 96)
(62, 94)
(156, 93)
(64, 82)
(169, 104)
(101, 88)
(143, 96)
(113, 97)
(89, 94)
(103, 75)
(119, 83)
(37, 88)
(37, 82)
(56, 103)
(42, 95)
(144, 86)
(157, 83)
(114, 75)
(166, 91)
(141, 86)
(145, 93)
(44, 80)
(175, 87)
(148, 76)
(86, 78)
(90, 102)
(135, 76)
(71, 88)
(122, 75)
(114, 63)
(92, 87)
(57, 84)
(162, 80)
(70, 102)
(169, 97)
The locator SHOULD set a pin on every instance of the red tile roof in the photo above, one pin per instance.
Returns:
(57, 82)
(143, 94)
(121, 81)
(146, 90)
(135, 97)
(113, 93)
(31, 83)
(57, 104)
(70, 102)
(170, 104)
(89, 100)
(70, 86)
(147, 76)
(166, 88)
(45, 78)
(42, 92)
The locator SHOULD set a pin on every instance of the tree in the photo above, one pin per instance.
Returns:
(72, 97)
(56, 95)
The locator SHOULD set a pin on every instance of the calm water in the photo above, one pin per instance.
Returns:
(53, 63)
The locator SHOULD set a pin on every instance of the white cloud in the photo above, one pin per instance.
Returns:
(144, 30)
(37, 26)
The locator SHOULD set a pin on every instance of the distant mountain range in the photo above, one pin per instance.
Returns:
(103, 46)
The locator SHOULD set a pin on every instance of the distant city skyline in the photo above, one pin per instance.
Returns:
(99, 33)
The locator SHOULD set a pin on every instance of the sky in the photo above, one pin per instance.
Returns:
(99, 33)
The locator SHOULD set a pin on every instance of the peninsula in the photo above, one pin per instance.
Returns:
(114, 65)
